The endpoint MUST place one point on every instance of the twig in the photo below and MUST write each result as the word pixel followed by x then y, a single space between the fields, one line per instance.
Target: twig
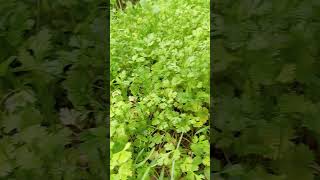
pixel 120 4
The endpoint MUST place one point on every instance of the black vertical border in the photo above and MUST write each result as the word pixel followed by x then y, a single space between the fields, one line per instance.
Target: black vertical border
pixel 107 75
pixel 211 122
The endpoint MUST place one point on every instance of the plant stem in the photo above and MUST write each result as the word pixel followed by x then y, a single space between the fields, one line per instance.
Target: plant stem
pixel 172 170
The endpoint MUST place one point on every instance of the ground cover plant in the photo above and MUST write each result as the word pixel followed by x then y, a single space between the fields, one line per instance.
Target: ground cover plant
pixel 266 89
pixel 160 90
pixel 52 93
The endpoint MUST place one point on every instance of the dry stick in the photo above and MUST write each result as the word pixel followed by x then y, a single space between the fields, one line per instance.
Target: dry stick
pixel 172 170
pixel 120 4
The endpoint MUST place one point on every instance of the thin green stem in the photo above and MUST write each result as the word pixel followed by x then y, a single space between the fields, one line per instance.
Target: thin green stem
pixel 172 169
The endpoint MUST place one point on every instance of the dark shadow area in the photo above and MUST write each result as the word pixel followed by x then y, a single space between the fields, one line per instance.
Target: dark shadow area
pixel 53 89
pixel 265 89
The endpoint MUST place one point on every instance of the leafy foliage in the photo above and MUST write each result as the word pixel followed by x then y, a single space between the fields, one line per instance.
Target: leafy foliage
pixel 266 83
pixel 160 90
pixel 53 99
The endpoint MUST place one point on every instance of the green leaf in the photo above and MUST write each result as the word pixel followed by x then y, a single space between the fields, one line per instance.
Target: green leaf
pixel 40 44
pixel 4 66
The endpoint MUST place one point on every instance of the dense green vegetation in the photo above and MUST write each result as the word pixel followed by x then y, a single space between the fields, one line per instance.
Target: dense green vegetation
pixel 160 90
pixel 53 100
pixel 266 89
